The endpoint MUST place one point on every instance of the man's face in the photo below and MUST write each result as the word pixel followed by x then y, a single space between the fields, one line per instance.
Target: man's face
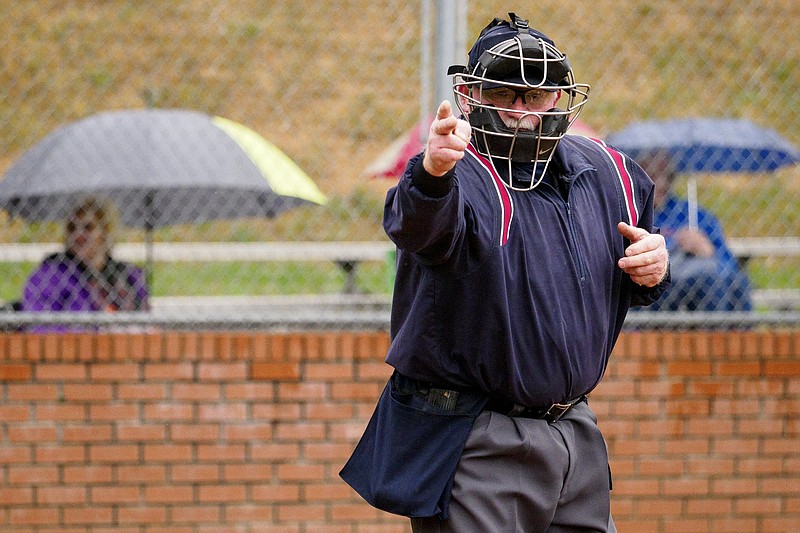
pixel 516 107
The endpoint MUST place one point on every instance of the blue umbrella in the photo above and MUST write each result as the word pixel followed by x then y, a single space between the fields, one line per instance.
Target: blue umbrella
pixel 707 145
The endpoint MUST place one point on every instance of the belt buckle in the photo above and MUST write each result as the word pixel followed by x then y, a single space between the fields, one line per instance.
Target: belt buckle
pixel 556 411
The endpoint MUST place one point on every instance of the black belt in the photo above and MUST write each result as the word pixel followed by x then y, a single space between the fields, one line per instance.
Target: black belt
pixel 550 414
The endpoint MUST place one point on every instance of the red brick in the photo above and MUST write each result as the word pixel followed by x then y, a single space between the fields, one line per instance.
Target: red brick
pixel 773 427
pixel 300 431
pixel 32 516
pixel 309 512
pixel 196 391
pixel 220 453
pixel 283 492
pixel 327 452
pixel 168 412
pixel 227 493
pixel 254 392
pixel 170 372
pixel 114 494
pixel 299 472
pixel 250 432
pixel 168 453
pixel 12 372
pixel 195 473
pixel 60 454
pixel 32 391
pixel 141 391
pixel 142 515
pixel 709 465
pixel 223 412
pixel 756 506
pixel 329 371
pixel 14 413
pixel 141 432
pixel 301 391
pixel 327 491
pixel 31 434
pixel 689 368
pixel 15 496
pixel 61 372
pixel 214 372
pixel 275 371
pixel 373 371
pixel 88 392
pixel 54 413
pixel 356 391
pixel 275 451
pixel 708 427
pixel 194 514
pixel 782 368
pixel 246 472
pixel 149 474
pixel 87 474
pixel 114 372
pixel 329 411
pixel 113 412
pixel 113 453
pixel 208 432
pixel 25 474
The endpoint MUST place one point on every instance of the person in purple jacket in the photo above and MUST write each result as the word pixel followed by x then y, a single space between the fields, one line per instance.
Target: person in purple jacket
pixel 520 251
pixel 85 277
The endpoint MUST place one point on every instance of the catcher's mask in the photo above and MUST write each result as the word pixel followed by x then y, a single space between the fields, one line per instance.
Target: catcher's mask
pixel 508 61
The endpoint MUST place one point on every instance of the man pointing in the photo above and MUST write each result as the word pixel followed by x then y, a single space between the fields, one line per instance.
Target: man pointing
pixel 520 251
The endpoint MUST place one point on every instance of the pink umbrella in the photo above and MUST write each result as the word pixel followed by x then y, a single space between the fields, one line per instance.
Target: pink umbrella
pixel 393 160
pixel 579 127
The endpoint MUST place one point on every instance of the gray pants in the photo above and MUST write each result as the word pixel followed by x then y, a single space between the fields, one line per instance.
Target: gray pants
pixel 523 475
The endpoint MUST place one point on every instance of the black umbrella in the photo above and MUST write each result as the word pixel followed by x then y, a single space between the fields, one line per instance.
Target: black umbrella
pixel 160 167
pixel 707 145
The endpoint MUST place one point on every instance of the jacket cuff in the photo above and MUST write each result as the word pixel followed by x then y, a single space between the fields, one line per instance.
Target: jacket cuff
pixel 434 186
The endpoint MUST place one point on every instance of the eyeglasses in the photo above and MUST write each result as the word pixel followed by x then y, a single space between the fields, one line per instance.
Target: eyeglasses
pixel 506 96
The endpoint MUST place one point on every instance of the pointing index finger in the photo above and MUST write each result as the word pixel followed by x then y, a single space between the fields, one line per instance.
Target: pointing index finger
pixel 444 111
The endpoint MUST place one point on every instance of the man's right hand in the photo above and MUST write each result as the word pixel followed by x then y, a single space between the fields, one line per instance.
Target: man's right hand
pixel 447 141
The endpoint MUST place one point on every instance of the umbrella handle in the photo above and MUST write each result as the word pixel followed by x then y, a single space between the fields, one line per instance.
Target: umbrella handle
pixel 691 187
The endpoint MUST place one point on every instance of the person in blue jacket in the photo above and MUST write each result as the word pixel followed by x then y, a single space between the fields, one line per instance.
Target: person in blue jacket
pixel 520 251
pixel 705 274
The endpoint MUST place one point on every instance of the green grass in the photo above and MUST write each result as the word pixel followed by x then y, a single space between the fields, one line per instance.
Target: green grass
pixel 233 279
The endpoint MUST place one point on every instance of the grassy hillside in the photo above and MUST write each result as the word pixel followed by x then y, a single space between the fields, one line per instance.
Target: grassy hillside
pixel 333 83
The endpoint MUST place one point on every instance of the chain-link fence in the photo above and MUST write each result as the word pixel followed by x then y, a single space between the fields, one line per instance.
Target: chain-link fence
pixel 329 87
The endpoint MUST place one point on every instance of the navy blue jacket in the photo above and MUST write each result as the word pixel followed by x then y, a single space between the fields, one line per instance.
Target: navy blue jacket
pixel 515 293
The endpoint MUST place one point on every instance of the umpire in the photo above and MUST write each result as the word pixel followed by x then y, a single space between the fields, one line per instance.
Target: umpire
pixel 520 251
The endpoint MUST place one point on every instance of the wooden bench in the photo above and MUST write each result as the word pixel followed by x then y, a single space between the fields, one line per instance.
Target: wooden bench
pixel 747 248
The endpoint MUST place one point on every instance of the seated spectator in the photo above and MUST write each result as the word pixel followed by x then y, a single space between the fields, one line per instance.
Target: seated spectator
pixel 705 274
pixel 84 277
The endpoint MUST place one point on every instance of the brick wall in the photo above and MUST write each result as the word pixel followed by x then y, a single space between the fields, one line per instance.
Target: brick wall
pixel 240 432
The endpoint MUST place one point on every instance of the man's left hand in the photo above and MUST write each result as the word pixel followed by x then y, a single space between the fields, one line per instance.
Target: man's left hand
pixel 646 258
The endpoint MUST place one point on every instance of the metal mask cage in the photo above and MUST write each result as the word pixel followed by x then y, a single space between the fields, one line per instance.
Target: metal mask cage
pixel 538 65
